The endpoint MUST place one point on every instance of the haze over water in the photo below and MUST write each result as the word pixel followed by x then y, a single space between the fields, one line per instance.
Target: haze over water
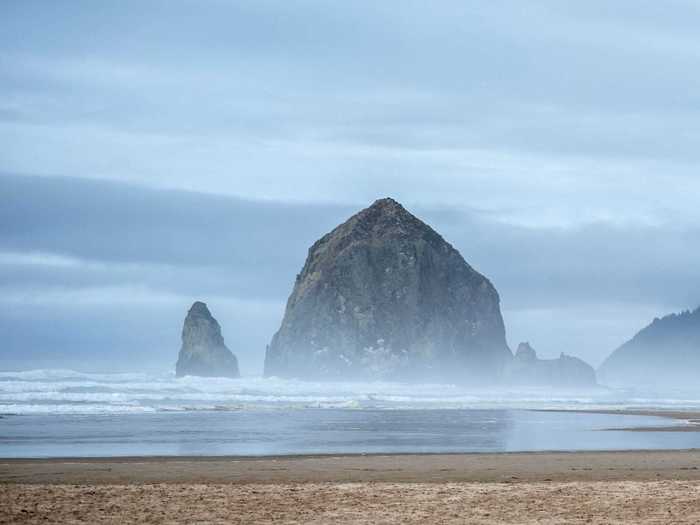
pixel 67 413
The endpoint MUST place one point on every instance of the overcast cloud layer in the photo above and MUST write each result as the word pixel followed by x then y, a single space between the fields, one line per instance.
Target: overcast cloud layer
pixel 153 153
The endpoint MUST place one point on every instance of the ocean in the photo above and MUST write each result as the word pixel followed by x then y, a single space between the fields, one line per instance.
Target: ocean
pixel 63 413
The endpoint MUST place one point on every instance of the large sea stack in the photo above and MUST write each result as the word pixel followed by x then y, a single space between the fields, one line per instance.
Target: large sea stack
pixel 203 352
pixel 665 354
pixel 385 296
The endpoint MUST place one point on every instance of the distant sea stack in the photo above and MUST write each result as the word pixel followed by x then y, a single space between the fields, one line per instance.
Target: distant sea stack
pixel 527 369
pixel 664 354
pixel 203 351
pixel 384 296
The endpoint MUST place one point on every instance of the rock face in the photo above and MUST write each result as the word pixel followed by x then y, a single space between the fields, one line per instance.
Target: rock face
pixel 565 372
pixel 203 351
pixel 666 353
pixel 385 296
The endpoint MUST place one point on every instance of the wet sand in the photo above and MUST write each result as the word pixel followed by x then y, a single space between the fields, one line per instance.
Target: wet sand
pixel 398 468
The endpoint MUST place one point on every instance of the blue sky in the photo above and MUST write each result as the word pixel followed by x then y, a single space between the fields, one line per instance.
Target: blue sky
pixel 154 153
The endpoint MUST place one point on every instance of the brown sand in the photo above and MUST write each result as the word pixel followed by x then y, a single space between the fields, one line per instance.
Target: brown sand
pixel 363 503
pixel 579 487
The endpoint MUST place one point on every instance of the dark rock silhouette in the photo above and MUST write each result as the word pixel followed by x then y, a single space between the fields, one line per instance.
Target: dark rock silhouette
pixel 385 296
pixel 525 353
pixel 665 353
pixel 203 351
pixel 527 369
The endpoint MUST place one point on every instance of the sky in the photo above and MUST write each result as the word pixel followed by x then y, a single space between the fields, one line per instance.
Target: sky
pixel 153 153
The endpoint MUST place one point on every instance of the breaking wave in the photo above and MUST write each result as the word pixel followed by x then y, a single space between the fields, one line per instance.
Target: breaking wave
pixel 71 392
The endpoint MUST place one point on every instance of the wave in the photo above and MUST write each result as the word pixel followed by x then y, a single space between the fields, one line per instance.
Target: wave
pixel 71 392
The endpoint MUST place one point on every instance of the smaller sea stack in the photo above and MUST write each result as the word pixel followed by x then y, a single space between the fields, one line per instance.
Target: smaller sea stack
pixel 203 352
pixel 527 369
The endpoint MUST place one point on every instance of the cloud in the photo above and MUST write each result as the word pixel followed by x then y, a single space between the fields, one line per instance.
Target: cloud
pixel 86 230
pixel 572 113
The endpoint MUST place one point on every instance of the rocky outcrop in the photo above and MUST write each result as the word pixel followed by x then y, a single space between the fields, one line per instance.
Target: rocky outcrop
pixel 527 369
pixel 203 352
pixel 665 354
pixel 385 296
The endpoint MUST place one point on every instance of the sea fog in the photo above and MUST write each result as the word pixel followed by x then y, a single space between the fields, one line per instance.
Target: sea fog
pixel 72 392
pixel 64 413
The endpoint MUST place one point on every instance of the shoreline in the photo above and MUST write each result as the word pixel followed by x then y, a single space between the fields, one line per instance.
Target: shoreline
pixel 323 456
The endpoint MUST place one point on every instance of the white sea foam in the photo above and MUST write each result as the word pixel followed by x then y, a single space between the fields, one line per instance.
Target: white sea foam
pixel 71 392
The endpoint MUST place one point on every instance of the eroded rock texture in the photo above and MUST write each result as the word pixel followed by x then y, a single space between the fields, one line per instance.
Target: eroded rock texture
pixel 385 296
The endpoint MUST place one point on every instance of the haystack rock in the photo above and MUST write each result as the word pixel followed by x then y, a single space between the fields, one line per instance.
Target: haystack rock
pixel 384 296
pixel 203 351
pixel 527 369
